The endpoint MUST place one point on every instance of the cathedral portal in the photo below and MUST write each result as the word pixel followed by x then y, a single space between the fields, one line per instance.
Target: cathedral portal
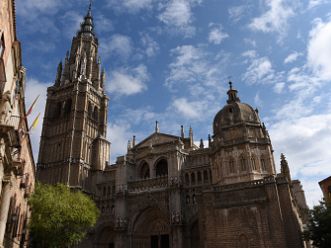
pixel 151 229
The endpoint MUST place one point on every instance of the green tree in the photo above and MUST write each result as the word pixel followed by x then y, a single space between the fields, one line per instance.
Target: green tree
pixel 318 229
pixel 60 216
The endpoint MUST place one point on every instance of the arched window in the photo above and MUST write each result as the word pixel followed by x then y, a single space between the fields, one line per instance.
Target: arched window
pixel 161 168
pixel 96 113
pixel 243 164
pixel 144 171
pixel 205 176
pixel 187 179
pixel 263 164
pixel 67 107
pixel 253 161
pixel 192 178
pixel 89 110
pixel 188 199
pixel 242 241
pixel 232 168
pixel 199 177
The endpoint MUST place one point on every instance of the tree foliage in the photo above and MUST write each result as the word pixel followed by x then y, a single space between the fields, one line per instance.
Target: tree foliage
pixel 318 229
pixel 60 216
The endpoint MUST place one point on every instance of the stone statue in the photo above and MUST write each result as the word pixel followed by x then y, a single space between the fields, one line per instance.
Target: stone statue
pixel 6 108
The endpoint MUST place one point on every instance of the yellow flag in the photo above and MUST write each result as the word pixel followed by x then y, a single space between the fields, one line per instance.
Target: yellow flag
pixel 35 122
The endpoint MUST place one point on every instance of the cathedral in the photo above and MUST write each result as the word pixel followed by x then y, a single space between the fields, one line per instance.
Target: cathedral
pixel 167 192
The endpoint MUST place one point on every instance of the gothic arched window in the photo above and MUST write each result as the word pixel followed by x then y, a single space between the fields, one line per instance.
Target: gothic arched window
pixel 243 164
pixel 192 178
pixel 253 161
pixel 205 176
pixel 263 164
pixel 67 107
pixel 161 168
pixel 144 171
pixel 187 179
pixel 199 177
pixel 96 113
pixel 89 110
pixel 232 168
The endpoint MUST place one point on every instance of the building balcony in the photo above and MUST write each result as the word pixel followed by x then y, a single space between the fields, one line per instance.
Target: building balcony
pixel 150 184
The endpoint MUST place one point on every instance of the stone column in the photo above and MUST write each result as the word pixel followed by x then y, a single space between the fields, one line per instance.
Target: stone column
pixel 177 236
pixel 5 202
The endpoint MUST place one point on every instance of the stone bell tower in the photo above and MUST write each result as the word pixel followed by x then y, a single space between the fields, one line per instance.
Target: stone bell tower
pixel 241 146
pixel 73 141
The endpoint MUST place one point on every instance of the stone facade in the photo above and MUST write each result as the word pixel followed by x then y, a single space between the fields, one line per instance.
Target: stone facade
pixel 16 159
pixel 166 191
pixel 326 188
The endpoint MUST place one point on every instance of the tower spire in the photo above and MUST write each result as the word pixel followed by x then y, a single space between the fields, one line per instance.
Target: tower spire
pixel 89 11
pixel 87 25
pixel 232 94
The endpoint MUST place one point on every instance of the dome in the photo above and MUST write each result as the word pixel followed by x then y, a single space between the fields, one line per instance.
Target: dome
pixel 234 112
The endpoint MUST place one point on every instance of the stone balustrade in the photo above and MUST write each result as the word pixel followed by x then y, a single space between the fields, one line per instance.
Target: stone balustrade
pixel 148 184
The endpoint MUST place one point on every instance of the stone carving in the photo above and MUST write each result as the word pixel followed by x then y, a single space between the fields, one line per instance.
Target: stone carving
pixel 121 222
pixel 176 218
pixel 6 108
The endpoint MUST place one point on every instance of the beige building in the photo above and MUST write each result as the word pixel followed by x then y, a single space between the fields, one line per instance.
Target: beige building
pixel 325 185
pixel 166 191
pixel 16 159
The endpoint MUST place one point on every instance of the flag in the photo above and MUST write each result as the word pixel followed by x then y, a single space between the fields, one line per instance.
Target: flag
pixel 35 122
pixel 32 105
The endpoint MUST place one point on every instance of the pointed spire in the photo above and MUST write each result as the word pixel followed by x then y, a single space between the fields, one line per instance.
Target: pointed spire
pixel 284 168
pixel 209 140
pixel 201 144
pixel 87 26
pixel 58 73
pixel 89 11
pixel 157 128
pixel 103 78
pixel 182 134
pixel 232 95
pixel 191 136
pixel 133 140
pixel 129 145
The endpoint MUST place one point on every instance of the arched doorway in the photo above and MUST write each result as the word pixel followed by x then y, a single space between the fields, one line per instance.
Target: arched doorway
pixel 106 238
pixel 195 235
pixel 151 230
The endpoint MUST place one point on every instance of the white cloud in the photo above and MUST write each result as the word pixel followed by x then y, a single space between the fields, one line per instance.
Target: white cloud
pixel 237 12
pixel 128 81
pixel 216 34
pixel 319 49
pixel 151 47
pixel 32 90
pixel 118 134
pixel 259 70
pixel 292 57
pixel 178 15
pixel 102 24
pixel 275 19
pixel 189 109
pixel 118 44
pixel 306 142
pixel 315 3
pixel 279 87
pixel 71 20
pixel 249 54
pixel 26 7
pixel 257 100
pixel 130 5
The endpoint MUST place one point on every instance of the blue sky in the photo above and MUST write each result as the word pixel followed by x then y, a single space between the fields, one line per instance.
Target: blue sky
pixel 170 60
